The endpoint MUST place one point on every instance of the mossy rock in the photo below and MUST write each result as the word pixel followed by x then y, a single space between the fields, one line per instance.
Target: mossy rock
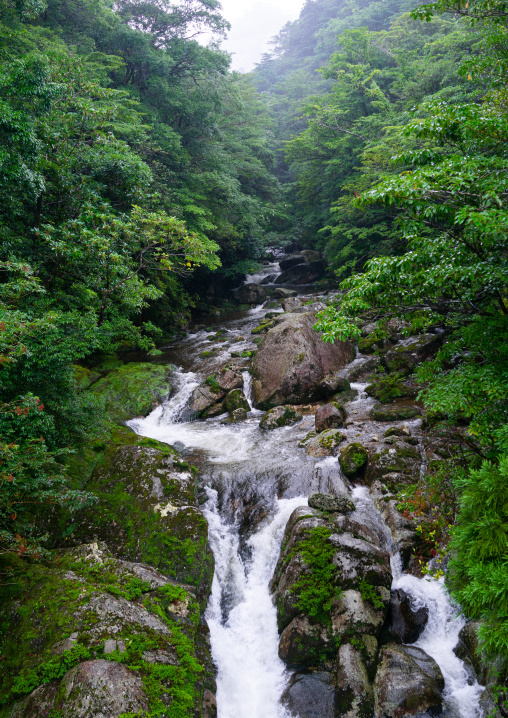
pixel 134 389
pixel 235 400
pixel 396 466
pixel 353 459
pixel 325 444
pixel 280 416
pixel 394 413
pixel 84 377
pixel 390 388
pixel 262 328
pixel 146 511
pixel 84 615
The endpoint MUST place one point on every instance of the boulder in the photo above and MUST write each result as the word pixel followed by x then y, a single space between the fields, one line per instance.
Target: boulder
pixel 251 294
pixel 282 293
pixel 292 360
pixel 333 384
pixel 235 416
pixel 291 261
pixel 395 465
pixel 310 695
pixel 329 503
pixel 269 279
pixel 289 305
pixel 228 378
pixel 325 444
pixel 407 623
pixel 330 416
pixel 279 416
pixel 147 512
pixel 395 412
pixel 202 399
pixel 303 273
pixel 408 683
pixel 407 354
pixel 133 389
pixel 353 459
pixel 387 389
pixel 303 641
pixel 354 697
pixel 357 564
pixel 468 650
pixel 236 399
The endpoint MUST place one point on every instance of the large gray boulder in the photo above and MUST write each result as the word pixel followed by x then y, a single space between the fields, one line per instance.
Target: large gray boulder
pixel 292 360
pixel 303 273
pixel 310 695
pixel 352 600
pixel 408 683
pixel 251 294
pixel 410 352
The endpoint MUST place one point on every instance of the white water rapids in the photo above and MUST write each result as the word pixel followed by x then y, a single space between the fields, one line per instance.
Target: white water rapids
pixel 244 470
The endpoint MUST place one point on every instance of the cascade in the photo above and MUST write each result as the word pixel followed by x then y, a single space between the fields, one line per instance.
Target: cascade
pixel 252 481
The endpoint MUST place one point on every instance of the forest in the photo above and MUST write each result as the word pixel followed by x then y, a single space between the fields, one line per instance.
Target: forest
pixel 142 179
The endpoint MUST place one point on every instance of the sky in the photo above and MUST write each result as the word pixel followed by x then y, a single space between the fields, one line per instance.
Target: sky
pixel 253 23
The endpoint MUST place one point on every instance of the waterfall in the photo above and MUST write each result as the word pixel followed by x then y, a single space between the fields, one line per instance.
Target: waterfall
pixel 242 617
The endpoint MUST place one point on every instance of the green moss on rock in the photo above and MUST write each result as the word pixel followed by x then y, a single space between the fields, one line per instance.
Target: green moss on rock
pixel 133 389
pixel 353 459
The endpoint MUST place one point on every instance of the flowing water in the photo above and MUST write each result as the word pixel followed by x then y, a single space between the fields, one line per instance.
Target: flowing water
pixel 251 481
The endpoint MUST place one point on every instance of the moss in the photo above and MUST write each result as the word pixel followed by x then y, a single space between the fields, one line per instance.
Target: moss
pixel 390 388
pixel 49 606
pixel 133 389
pixel 394 413
pixel 317 588
pixel 213 383
pixel 235 399
pixel 353 459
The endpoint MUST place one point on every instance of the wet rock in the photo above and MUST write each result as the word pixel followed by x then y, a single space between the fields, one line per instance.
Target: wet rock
pixel 303 640
pixel 403 529
pixel 333 384
pixel 353 459
pixel 395 412
pixel 133 389
pixel 303 273
pixel 289 305
pixel 269 279
pixel 203 398
pixel 291 261
pixel 409 353
pixel 363 368
pixel 395 465
pixel 235 416
pixel 325 444
pixel 209 705
pixel 251 294
pixel 214 410
pixel 468 650
pixel 354 697
pixel 292 360
pixel 228 379
pixel 408 683
pixel 282 293
pixel 406 622
pixel 387 389
pixel 330 416
pixel 278 417
pixel 236 399
pixel 398 431
pixel 310 695
pixel 357 564
pixel 329 503
pixel 351 614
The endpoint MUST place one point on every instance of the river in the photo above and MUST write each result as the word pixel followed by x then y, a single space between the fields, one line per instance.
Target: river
pixel 250 482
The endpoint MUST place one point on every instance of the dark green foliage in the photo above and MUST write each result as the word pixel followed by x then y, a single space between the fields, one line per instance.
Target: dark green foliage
pixel 479 546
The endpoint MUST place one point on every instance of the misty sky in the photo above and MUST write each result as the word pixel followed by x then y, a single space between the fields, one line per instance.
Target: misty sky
pixel 253 23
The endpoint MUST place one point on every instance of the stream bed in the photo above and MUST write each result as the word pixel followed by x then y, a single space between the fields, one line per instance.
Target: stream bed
pixel 250 483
